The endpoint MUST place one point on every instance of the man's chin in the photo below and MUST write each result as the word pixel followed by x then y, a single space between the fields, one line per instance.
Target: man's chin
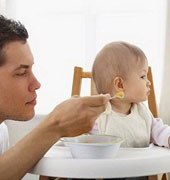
pixel 23 117
pixel 27 118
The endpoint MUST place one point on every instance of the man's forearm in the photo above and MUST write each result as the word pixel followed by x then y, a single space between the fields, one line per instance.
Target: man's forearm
pixel 17 161
pixel 70 118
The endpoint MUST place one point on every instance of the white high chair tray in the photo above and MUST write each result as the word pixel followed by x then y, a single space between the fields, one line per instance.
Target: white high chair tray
pixel 129 162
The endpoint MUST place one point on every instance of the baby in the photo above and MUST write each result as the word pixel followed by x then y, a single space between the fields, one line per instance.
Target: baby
pixel 123 67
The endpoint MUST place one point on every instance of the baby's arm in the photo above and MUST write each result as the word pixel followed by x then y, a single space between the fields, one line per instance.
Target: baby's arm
pixel 160 133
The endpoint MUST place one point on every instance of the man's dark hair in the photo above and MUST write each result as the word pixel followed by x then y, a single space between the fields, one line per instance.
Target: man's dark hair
pixel 10 31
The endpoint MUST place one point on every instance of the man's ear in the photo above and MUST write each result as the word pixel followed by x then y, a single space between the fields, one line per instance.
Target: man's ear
pixel 118 84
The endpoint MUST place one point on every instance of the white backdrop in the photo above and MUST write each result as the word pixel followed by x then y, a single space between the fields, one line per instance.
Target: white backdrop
pixel 68 33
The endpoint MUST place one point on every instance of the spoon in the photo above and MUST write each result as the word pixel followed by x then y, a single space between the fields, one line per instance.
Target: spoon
pixel 119 95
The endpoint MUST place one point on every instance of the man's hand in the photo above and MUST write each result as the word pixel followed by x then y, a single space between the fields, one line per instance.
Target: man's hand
pixel 77 115
pixel 70 118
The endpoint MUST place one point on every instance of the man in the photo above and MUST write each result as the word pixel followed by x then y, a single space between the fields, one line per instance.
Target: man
pixel 18 87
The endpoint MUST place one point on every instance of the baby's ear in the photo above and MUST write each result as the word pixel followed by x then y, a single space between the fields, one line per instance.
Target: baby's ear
pixel 118 84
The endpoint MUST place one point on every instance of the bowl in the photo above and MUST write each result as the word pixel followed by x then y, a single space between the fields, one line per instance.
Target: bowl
pixel 93 146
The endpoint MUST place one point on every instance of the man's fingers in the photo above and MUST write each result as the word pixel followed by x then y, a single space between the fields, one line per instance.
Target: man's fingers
pixel 98 109
pixel 95 101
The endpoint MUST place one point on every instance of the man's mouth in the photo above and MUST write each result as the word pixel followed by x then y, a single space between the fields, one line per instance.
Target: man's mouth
pixel 32 102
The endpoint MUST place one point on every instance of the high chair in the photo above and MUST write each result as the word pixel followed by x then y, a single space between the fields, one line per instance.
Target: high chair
pixel 79 74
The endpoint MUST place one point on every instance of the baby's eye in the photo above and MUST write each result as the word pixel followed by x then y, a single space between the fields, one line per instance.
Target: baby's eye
pixel 143 77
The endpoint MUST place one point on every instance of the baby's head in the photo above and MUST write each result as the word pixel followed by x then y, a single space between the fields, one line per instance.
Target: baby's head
pixel 116 60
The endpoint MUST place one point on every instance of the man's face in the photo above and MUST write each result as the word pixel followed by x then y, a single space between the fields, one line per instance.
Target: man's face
pixel 18 84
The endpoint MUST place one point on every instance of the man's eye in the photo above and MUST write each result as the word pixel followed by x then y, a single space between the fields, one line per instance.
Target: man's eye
pixel 21 74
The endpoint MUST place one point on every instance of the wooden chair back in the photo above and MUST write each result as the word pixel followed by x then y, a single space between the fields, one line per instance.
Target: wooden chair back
pixel 79 74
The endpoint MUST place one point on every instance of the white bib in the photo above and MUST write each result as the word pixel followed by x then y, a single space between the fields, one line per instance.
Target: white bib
pixel 134 128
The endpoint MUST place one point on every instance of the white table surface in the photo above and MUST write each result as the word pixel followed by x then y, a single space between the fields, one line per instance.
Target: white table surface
pixel 129 162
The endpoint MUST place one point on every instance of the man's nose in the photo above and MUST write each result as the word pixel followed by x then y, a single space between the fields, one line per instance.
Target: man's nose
pixel 35 84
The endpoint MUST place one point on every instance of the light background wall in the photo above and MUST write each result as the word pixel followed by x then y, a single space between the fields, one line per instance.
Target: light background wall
pixel 68 33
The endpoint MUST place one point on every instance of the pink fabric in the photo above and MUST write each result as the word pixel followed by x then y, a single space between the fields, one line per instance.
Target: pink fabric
pixel 160 132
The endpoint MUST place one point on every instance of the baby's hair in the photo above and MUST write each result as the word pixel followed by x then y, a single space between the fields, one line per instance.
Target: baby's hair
pixel 115 59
